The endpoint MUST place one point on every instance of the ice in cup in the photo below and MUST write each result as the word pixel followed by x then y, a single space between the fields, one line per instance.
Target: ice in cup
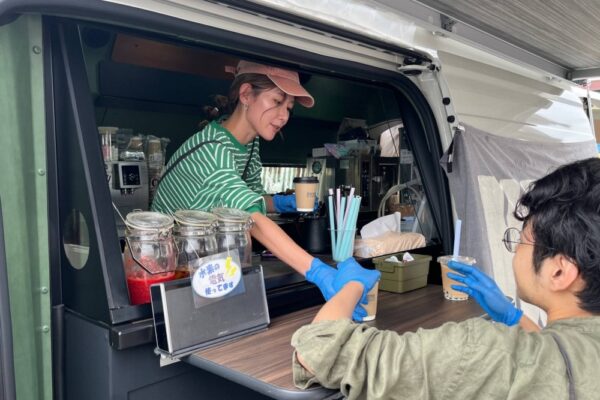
pixel 450 293
pixel 371 306
pixel 306 192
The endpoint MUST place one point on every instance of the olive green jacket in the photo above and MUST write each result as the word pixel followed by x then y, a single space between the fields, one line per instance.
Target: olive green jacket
pixel 474 359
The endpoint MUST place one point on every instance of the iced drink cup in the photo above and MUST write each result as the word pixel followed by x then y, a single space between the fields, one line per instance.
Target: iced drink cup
pixel 371 306
pixel 306 192
pixel 450 293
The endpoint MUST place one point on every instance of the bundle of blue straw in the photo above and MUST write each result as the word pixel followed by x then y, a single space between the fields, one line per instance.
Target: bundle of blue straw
pixel 342 222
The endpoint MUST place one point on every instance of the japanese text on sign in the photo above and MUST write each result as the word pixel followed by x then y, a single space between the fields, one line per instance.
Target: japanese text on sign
pixel 216 278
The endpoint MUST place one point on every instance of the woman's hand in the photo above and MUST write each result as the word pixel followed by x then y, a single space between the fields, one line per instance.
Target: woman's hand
pixel 322 275
pixel 284 203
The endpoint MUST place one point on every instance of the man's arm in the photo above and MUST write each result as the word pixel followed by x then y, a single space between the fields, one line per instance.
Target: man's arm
pixel 340 306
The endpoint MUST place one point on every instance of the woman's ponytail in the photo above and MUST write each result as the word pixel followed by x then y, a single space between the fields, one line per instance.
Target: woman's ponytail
pixel 214 111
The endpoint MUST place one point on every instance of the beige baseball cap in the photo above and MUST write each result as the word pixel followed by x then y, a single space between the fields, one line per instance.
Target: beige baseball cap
pixel 286 80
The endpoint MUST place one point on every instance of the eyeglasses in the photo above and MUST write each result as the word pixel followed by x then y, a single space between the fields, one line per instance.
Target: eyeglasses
pixel 512 238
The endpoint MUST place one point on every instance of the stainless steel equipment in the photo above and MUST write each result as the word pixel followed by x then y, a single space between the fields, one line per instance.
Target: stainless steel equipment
pixel 322 168
pixel 128 183
pixel 370 175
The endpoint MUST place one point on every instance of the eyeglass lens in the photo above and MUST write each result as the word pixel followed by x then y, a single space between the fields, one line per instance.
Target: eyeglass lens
pixel 512 237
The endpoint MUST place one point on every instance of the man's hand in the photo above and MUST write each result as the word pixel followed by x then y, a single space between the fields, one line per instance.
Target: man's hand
pixel 323 276
pixel 349 270
pixel 485 291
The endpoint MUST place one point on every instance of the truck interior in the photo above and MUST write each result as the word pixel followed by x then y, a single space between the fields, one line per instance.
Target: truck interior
pixel 144 83
pixel 149 84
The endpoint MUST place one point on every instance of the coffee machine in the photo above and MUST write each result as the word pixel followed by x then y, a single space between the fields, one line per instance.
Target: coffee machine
pixel 128 184
pixel 322 167
pixel 360 171
pixel 369 174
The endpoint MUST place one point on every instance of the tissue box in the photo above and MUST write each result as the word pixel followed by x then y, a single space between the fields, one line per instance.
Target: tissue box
pixel 402 277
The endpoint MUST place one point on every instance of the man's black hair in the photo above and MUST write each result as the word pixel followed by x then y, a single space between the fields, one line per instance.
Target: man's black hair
pixel 563 209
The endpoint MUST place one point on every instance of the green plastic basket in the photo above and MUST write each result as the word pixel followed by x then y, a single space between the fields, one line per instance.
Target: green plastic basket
pixel 402 277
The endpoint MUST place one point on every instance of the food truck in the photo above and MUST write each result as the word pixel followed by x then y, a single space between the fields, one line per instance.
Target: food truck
pixel 96 97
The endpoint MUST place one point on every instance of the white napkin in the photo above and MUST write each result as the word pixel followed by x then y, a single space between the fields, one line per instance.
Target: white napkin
pixel 381 225
pixel 406 257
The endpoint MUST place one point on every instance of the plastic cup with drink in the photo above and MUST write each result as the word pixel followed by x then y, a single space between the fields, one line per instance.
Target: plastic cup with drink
pixel 447 283
pixel 371 306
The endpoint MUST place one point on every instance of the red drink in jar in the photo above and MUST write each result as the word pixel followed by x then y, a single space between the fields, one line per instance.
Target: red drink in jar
pixel 139 287
pixel 139 280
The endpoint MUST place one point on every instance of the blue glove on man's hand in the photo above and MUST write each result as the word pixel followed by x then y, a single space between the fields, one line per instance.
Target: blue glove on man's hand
pixel 322 275
pixel 485 291
pixel 284 203
pixel 349 270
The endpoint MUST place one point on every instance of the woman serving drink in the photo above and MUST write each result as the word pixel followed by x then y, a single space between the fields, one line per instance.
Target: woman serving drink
pixel 220 165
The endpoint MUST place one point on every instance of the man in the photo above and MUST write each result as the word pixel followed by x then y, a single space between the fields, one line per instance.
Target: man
pixel 556 267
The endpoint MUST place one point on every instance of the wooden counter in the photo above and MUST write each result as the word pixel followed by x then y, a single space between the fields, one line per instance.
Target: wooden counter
pixel 263 361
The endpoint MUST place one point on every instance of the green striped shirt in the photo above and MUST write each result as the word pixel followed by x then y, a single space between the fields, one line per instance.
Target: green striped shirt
pixel 211 176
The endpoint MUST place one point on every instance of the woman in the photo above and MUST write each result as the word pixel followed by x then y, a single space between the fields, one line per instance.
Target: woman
pixel 220 165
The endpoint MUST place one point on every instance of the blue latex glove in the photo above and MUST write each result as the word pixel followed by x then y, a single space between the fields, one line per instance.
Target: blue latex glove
pixel 485 291
pixel 286 203
pixel 322 275
pixel 349 270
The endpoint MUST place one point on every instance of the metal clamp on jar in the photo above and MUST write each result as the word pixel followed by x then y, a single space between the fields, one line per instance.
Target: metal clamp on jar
pixel 149 253
pixel 195 238
pixel 233 233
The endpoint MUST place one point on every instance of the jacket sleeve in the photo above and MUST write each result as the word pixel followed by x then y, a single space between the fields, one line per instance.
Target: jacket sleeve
pixel 366 363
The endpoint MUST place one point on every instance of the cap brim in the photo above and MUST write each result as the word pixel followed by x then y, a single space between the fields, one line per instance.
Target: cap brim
pixel 293 88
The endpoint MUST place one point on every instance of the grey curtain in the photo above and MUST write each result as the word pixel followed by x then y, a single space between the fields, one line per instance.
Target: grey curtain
pixel 487 174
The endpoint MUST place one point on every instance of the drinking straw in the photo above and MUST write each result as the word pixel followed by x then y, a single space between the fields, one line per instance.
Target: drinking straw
pixel 337 203
pixel 340 227
pixel 457 227
pixel 342 223
pixel 350 197
pixel 331 220
pixel 352 225
pixel 348 231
